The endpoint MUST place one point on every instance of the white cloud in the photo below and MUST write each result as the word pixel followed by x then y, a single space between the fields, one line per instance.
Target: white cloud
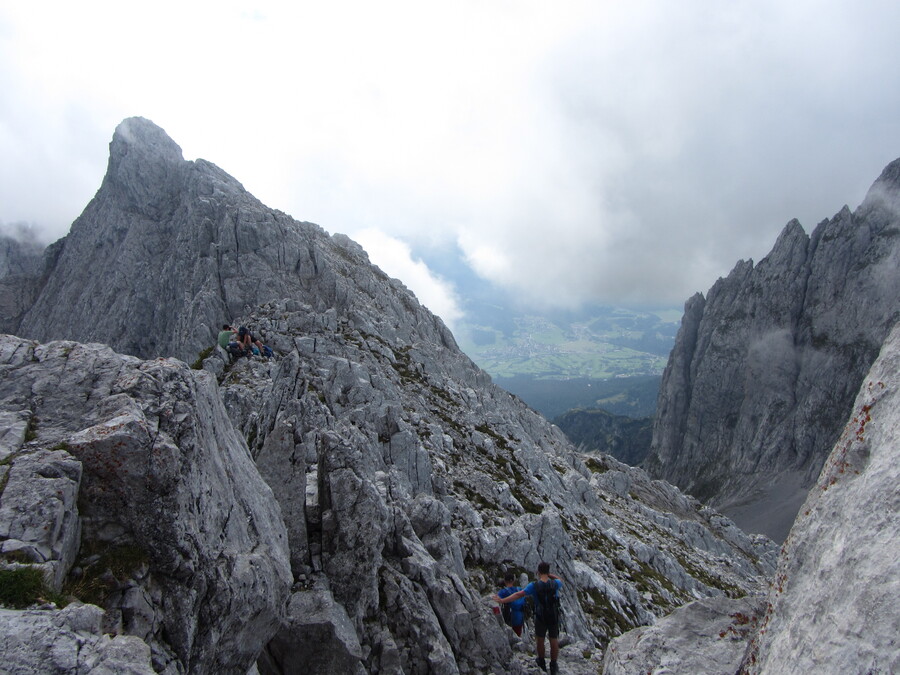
pixel 584 151
pixel 395 258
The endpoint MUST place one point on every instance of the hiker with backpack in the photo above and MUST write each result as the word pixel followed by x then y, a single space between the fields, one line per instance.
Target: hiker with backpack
pixel 513 612
pixel 545 593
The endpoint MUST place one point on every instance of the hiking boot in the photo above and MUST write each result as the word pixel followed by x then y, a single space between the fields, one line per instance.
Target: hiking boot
pixel 542 664
pixel 554 668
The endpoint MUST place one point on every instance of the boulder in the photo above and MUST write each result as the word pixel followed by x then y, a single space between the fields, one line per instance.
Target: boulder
pixel 68 642
pixel 180 538
pixel 706 636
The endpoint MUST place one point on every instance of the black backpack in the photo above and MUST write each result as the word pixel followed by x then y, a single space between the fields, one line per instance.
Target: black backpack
pixel 546 606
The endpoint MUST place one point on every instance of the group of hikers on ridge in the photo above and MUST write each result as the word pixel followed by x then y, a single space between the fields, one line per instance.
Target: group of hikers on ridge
pixel 545 594
pixel 241 342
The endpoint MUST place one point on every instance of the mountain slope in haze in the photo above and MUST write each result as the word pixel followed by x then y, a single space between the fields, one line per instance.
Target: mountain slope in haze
pixel 765 367
pixel 407 481
pixel 596 430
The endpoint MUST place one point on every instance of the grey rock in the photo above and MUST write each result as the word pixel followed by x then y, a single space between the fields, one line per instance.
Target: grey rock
pixel 318 638
pixel 68 642
pixel 165 484
pixel 21 265
pixel 833 604
pixel 39 511
pixel 765 368
pixel 184 248
pixel 706 636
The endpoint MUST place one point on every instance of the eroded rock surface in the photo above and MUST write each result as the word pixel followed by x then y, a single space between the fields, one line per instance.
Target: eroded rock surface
pixel 136 465
pixel 707 637
pixel 833 606
pixel 766 366
pixel 68 642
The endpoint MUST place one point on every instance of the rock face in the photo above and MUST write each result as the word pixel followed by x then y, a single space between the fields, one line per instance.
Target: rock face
pixel 126 480
pixel 833 606
pixel 765 368
pixel 168 250
pixel 706 636
pixel 68 641
pixel 596 430
pixel 21 263
pixel 406 480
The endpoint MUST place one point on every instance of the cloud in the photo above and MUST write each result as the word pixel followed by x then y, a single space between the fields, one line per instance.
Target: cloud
pixel 395 258
pixel 588 152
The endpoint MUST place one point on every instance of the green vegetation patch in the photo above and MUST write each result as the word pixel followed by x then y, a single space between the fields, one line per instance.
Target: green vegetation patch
pixel 94 584
pixel 704 577
pixel 22 587
pixel 595 465
pixel 601 609
pixel 526 502
pixel 31 429
pixel 205 354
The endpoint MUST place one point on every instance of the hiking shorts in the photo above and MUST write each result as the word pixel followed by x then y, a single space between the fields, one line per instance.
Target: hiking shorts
pixel 542 629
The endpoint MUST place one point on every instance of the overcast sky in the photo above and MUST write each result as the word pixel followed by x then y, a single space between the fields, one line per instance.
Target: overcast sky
pixel 570 152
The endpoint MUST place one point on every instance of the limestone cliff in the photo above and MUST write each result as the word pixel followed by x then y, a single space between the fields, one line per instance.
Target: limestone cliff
pixel 765 367
pixel 406 480
pixel 21 263
pixel 832 607
pixel 126 484
pixel 169 249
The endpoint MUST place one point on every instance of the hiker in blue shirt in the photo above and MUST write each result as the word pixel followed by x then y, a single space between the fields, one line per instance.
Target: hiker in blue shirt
pixel 513 612
pixel 545 592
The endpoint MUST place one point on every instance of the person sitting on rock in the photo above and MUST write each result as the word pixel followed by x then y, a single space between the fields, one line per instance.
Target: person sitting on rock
pixel 226 336
pixel 545 592
pixel 513 612
pixel 249 345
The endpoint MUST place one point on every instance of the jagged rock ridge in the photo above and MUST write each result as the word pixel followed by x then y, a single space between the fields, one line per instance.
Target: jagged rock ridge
pixel 169 249
pixel 765 368
pixel 406 480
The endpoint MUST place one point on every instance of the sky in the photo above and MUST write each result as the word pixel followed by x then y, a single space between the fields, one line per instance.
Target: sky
pixel 566 153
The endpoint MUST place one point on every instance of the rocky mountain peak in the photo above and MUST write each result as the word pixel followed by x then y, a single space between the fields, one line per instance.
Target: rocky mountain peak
pixel 139 139
pixel 763 374
pixel 142 156
pixel 882 199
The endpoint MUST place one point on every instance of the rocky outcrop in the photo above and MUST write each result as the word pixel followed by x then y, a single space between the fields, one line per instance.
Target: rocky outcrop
pixel 706 636
pixel 833 605
pixel 127 485
pixel 71 640
pixel 596 430
pixel 765 367
pixel 407 481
